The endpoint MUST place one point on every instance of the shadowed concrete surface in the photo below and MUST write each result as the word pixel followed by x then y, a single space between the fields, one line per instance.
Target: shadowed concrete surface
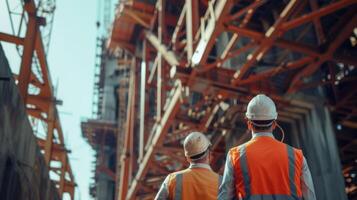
pixel 23 172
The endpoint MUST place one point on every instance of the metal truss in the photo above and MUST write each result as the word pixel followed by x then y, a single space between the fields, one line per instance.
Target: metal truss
pixel 35 87
pixel 282 48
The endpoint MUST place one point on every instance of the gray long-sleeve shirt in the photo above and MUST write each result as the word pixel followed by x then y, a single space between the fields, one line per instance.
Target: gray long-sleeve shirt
pixel 227 188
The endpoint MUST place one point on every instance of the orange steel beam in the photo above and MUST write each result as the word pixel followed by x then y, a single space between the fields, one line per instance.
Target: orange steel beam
pixel 49 138
pixel 333 7
pixel 178 28
pixel 126 157
pixel 306 49
pixel 143 78
pixel 11 39
pixel 159 134
pixel 276 70
pixel 220 61
pixel 160 65
pixel 192 22
pixel 227 54
pixel 245 10
pixel 134 116
pixel 214 17
pixel 62 176
pixel 315 84
pixel 141 18
pixel 270 36
pixel 317 24
pixel 211 30
pixel 342 35
pixel 215 85
pixel 43 105
pixel 27 54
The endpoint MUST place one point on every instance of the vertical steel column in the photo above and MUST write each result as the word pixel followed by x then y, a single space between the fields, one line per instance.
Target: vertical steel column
pixel 143 68
pixel 50 127
pixel 27 54
pixel 133 146
pixel 161 10
pixel 210 29
pixel 191 26
pixel 63 173
pixel 126 156
pixel 147 102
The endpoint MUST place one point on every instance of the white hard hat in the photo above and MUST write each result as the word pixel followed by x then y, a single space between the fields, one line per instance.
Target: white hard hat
pixel 195 143
pixel 261 107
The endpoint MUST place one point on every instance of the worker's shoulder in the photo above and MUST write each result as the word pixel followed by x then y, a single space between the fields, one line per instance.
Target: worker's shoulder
pixel 296 150
pixel 171 178
pixel 234 152
pixel 174 174
pixel 290 146
pixel 216 174
pixel 236 149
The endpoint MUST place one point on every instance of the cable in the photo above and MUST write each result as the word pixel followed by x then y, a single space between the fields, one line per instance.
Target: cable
pixel 282 132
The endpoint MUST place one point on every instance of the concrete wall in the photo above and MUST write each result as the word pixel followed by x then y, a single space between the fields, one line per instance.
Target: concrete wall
pixel 111 81
pixel 23 172
pixel 314 134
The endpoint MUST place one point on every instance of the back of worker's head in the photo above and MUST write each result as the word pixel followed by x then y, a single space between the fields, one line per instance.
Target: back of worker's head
pixel 261 114
pixel 196 146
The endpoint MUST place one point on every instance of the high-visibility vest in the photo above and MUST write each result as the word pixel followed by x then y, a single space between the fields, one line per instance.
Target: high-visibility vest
pixel 266 169
pixel 194 183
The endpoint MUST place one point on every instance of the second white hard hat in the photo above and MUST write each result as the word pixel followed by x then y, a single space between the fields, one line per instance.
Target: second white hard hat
pixel 261 107
pixel 195 143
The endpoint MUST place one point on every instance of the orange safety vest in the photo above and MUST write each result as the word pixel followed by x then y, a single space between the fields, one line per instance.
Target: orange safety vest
pixel 267 169
pixel 194 183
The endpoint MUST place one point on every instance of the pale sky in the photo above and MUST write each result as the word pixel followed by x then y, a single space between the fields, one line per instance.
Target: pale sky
pixel 71 63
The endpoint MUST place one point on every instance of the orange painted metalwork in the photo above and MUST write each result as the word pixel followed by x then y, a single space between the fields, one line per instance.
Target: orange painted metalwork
pixel 42 106
pixel 189 34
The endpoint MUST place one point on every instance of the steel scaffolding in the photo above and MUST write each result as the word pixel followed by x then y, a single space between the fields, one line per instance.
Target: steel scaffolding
pixel 36 87
pixel 195 64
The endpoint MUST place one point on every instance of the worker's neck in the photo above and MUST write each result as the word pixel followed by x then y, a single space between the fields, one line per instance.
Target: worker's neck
pixel 261 134
pixel 200 162
pixel 200 165
pixel 255 131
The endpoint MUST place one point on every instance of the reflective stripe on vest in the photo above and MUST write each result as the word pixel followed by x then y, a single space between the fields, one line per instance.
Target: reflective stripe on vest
pixel 178 189
pixel 245 172
pixel 271 197
pixel 219 180
pixel 247 182
pixel 291 156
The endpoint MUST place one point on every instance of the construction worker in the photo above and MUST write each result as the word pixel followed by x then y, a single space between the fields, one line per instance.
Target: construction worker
pixel 264 168
pixel 196 182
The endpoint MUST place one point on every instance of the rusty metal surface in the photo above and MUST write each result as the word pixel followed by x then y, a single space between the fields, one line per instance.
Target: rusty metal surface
pixel 23 170
pixel 223 53
pixel 38 97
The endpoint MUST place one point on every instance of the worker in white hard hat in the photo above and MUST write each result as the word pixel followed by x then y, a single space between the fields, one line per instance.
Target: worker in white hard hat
pixel 196 182
pixel 265 168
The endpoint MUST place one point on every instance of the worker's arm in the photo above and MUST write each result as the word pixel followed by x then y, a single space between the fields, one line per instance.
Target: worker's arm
pixel 163 193
pixel 307 186
pixel 227 188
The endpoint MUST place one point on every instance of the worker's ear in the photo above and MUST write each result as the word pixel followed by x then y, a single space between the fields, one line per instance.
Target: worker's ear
pixel 188 160
pixel 273 126
pixel 249 125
